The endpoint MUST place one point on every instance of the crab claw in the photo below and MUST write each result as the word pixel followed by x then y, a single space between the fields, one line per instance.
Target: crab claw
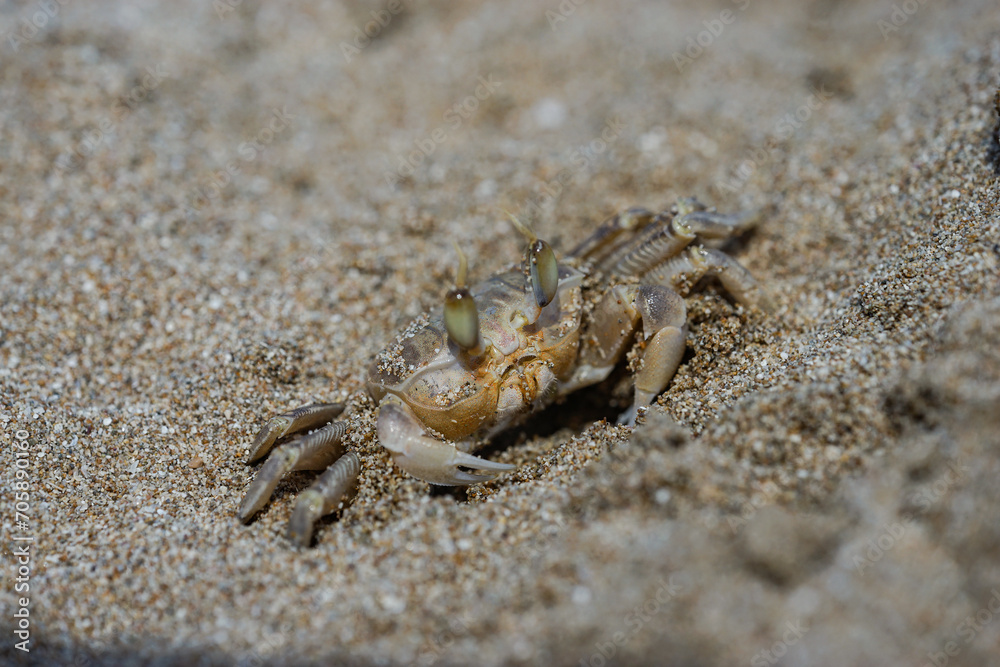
pixel 425 457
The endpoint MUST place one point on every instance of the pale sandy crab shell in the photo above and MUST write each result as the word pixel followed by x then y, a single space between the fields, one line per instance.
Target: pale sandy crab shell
pixel 456 395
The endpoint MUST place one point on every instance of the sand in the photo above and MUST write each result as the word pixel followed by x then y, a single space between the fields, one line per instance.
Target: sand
pixel 212 213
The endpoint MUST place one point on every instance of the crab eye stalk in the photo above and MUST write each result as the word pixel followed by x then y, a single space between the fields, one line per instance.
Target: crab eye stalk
pixel 540 265
pixel 543 272
pixel 461 319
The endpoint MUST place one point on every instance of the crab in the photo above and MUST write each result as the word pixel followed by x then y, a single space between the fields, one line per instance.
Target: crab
pixel 510 345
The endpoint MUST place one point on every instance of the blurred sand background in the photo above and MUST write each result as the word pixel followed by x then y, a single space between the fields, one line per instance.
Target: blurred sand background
pixel 210 213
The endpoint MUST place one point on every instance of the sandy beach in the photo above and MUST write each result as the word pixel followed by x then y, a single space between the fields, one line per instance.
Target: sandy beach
pixel 211 213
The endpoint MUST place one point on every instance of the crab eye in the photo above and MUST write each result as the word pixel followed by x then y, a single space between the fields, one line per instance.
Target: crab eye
pixel 543 270
pixel 461 318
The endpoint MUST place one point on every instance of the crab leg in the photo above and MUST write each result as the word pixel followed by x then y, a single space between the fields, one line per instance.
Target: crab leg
pixel 599 244
pixel 333 488
pixel 291 422
pixel 666 237
pixel 314 451
pixel 425 457
pixel 711 225
pixel 664 325
pixel 699 262
pixel 659 364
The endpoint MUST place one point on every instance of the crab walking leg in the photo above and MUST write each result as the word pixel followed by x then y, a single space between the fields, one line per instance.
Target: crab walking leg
pixel 603 239
pixel 668 235
pixel 667 238
pixel 711 225
pixel 291 422
pixel 426 457
pixel 698 262
pixel 314 451
pixel 660 360
pixel 334 487
pixel 664 327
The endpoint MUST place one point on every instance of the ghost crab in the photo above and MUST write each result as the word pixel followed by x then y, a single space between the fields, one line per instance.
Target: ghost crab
pixel 506 346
